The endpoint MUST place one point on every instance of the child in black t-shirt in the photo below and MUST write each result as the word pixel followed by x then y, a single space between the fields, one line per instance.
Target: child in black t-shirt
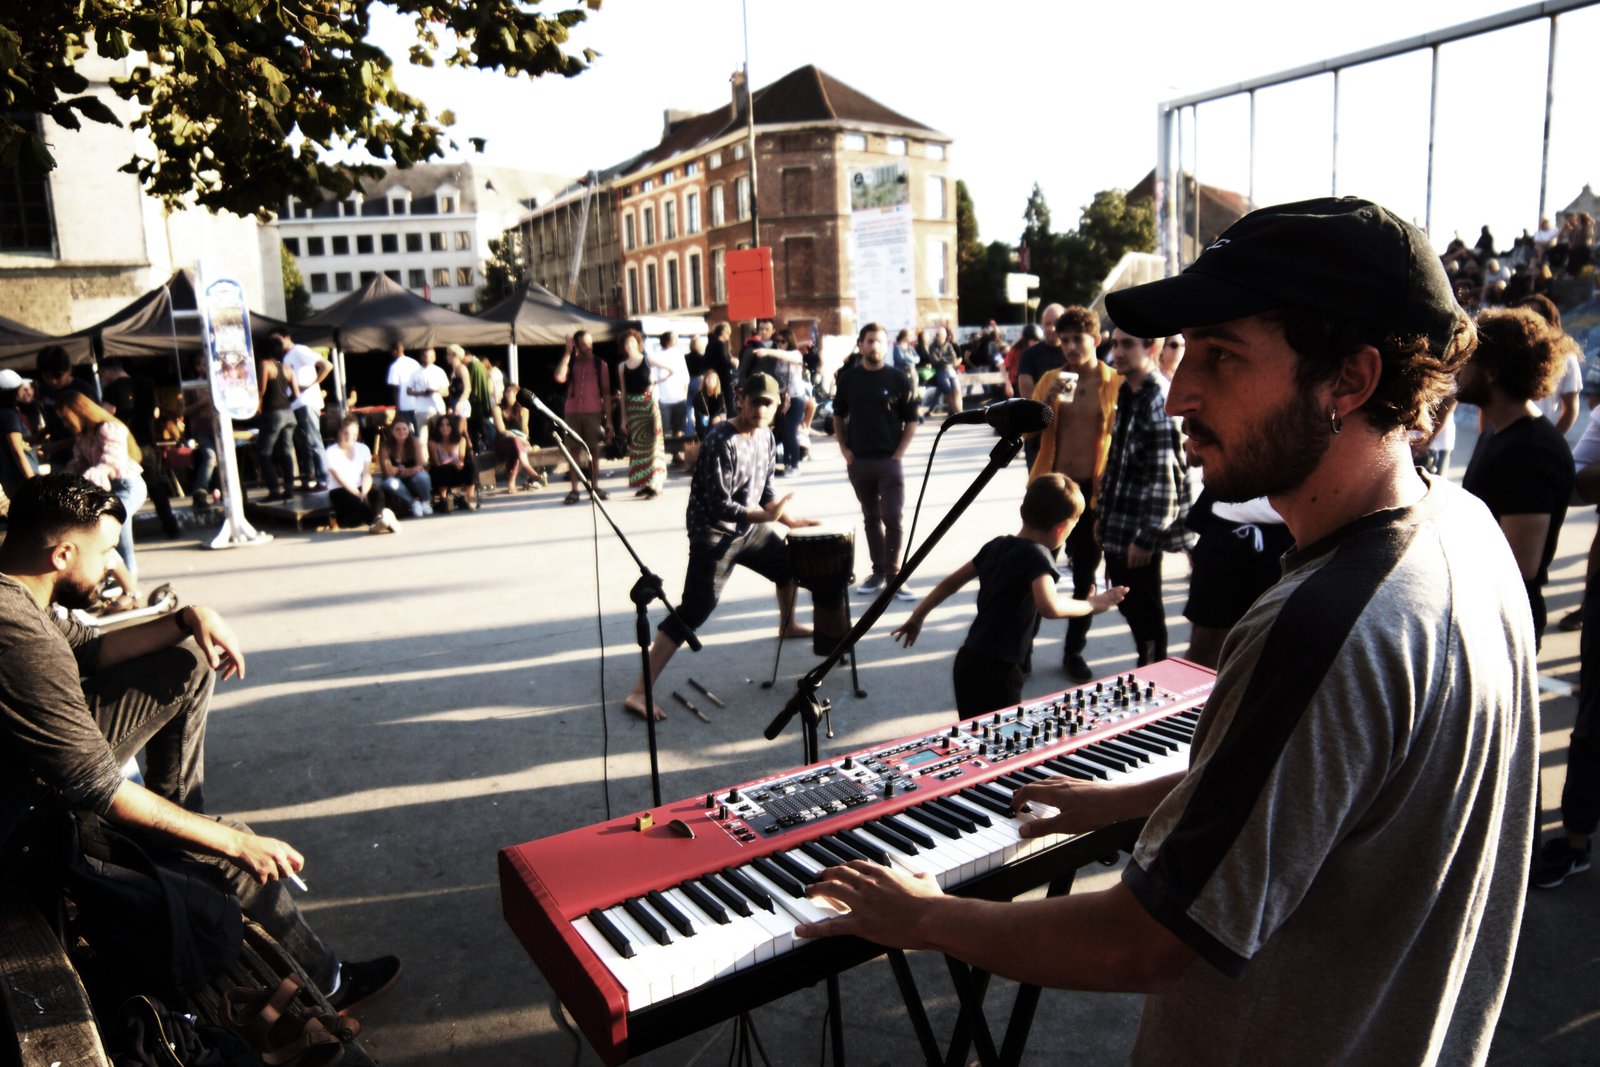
pixel 1016 585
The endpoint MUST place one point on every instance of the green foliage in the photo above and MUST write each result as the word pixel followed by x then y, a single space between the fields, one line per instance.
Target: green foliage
pixel 296 301
pixel 1072 265
pixel 504 269
pixel 243 100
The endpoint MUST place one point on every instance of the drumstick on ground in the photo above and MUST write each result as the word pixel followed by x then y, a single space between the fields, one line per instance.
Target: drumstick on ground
pixel 709 695
pixel 680 698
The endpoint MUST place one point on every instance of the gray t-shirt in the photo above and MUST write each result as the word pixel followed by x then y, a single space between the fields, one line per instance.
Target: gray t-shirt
pixel 732 475
pixel 1348 853
pixel 46 730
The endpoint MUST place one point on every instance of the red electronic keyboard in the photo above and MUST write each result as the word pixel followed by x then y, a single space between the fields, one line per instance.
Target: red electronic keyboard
pixel 657 925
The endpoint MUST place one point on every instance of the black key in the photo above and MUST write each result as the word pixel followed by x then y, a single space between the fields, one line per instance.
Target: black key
pixel 1102 757
pixel 905 829
pixel 758 896
pixel 1130 752
pixel 652 926
pixel 670 912
pixel 795 870
pixel 998 794
pixel 1182 738
pixel 703 901
pixel 609 931
pixel 1191 716
pixel 867 848
pixel 1083 766
pixel 727 894
pixel 1013 780
pixel 1140 739
pixel 889 837
pixel 1069 771
pixel 778 877
pixel 820 854
pixel 987 801
pixel 844 848
pixel 957 817
pixel 934 821
pixel 1035 773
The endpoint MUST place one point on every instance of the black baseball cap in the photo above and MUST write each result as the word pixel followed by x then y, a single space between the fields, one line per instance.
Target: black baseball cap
pixel 1345 257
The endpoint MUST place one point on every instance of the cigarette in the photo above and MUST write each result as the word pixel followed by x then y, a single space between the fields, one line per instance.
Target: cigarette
pixel 295 880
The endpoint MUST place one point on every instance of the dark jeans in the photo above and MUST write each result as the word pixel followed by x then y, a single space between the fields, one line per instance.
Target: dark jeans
pixel 880 486
pixel 710 562
pixel 1142 607
pixel 675 418
pixel 984 684
pixel 204 464
pixel 450 476
pixel 351 511
pixel 275 448
pixel 1580 797
pixel 789 427
pixel 1083 555
pixel 308 446
pixel 159 702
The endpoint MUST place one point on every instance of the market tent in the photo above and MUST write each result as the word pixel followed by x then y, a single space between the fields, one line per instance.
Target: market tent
pixel 536 316
pixel 382 313
pixel 20 345
pixel 148 327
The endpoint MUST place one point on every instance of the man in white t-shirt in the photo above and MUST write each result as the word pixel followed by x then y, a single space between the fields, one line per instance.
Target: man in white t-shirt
pixel 307 370
pixel 1561 406
pixel 403 371
pixel 671 375
pixel 428 387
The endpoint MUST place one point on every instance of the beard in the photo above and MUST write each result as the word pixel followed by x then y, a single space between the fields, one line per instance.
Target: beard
pixel 1270 458
pixel 76 592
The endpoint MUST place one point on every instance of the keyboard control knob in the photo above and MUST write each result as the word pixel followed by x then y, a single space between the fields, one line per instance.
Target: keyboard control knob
pixel 849 763
pixel 733 796
pixel 888 787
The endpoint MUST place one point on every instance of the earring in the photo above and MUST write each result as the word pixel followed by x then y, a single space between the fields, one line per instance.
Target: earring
pixel 1335 422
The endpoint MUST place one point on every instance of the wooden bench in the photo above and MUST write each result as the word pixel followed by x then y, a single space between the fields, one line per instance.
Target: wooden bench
pixel 45 1001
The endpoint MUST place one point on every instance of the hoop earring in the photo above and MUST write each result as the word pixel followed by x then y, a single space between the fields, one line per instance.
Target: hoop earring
pixel 1335 422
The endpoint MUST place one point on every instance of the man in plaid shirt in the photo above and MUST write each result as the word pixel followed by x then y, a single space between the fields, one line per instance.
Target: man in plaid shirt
pixel 1142 499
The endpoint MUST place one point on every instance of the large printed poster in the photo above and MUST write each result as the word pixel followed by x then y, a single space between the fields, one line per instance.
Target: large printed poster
pixel 882 249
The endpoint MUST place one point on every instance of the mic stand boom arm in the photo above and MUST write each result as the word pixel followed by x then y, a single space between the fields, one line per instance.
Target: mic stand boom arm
pixel 804 702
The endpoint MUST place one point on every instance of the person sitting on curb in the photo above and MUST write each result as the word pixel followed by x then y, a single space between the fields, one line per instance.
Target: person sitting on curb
pixel 356 501
pixel 403 465
pixel 452 465
pixel 511 443
pixel 76 705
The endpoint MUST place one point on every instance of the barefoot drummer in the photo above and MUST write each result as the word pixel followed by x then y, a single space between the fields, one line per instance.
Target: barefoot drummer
pixel 732 507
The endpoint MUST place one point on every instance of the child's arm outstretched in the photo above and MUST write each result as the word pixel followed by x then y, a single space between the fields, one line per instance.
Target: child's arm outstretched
pixel 1053 607
pixel 907 631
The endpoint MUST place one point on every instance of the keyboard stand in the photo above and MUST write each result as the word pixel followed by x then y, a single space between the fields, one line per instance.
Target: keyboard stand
pixel 971 1030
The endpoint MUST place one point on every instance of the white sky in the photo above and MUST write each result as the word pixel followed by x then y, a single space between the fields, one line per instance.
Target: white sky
pixel 1065 93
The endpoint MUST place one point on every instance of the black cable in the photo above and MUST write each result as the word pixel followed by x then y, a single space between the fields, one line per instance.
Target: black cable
pixel 756 1037
pixel 600 631
pixel 822 1053
pixel 926 474
pixel 570 1026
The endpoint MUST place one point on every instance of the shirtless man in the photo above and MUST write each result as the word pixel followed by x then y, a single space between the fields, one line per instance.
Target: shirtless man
pixel 1076 444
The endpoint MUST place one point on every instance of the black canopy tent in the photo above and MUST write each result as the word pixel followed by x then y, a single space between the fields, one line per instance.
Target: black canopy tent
pixel 536 316
pixel 20 345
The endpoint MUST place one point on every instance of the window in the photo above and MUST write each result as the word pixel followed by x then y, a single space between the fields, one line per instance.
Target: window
pixel 895 146
pixel 668 178
pixel 719 283
pixel 436 241
pixel 627 231
pixel 714 160
pixel 647 185
pixel 738 152
pixel 741 196
pixel 937 205
pixel 349 209
pixel 397 207
pixel 291 245
pixel 800 266
pixel 342 282
pixel 390 242
pixel 367 276
pixel 302 211
pixel 416 278
pixel 447 205
pixel 938 266
pixel 319 283
pixel 464 240
pixel 797 190
pixel 669 220
pixel 463 275
pixel 441 276
pixel 413 242
pixel 392 275
pixel 718 209
pixel 315 246
pixel 633 290
pixel 855 142
pixel 691 213
pixel 691 168
pixel 933 151
pixel 671 268
pixel 340 245
pixel 364 244
pixel 696 289
pixel 651 302
pixel 648 215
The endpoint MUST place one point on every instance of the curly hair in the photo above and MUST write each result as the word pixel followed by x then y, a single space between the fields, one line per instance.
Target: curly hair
pixel 1526 353
pixel 1415 379
pixel 1077 319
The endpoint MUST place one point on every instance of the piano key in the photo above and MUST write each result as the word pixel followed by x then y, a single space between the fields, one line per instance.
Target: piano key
pixel 790 885
pixel 752 892
pixel 609 931
pixel 723 947
pixel 1132 752
pixel 867 848
pixel 979 802
pixel 821 854
pixel 729 896
pixel 1157 745
pixel 1102 757
pixel 778 929
pixel 669 911
pixel 1176 735
pixel 705 902
pixel 652 926
pixel 904 828
pixel 934 821
pixel 960 817
pixel 635 986
pixel 657 968
pixel 797 871
pixel 890 837
pixel 842 848
pixel 1075 769
pixel 802 908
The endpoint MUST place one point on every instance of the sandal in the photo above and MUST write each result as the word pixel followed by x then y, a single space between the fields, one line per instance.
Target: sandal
pixel 570 498
pixel 283 1039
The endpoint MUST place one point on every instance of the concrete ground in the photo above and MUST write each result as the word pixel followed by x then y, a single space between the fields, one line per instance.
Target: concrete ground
pixel 415 702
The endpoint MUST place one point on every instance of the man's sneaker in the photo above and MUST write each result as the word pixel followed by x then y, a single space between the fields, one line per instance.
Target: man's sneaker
pixel 361 982
pixel 418 509
pixel 1077 667
pixel 1557 861
pixel 904 594
pixel 873 583
pixel 386 523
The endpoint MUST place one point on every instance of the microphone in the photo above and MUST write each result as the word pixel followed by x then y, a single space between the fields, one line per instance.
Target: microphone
pixel 1011 417
pixel 527 399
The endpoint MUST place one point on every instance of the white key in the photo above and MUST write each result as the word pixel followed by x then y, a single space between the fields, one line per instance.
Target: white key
pixel 777 924
pixel 657 965
pixel 801 909
pixel 635 984
pixel 711 943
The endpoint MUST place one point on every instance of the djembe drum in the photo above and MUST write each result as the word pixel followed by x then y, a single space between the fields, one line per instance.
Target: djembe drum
pixel 823 560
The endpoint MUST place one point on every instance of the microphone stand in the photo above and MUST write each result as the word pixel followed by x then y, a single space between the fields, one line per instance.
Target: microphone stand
pixel 804 702
pixel 645 589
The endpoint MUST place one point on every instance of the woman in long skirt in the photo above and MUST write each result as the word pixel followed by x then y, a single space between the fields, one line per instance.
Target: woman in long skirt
pixel 641 421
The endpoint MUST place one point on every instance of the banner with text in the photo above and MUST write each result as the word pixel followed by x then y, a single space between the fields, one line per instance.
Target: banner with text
pixel 882 249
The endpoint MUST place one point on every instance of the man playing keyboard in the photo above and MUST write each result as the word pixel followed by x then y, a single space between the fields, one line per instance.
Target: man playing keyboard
pixel 1339 875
